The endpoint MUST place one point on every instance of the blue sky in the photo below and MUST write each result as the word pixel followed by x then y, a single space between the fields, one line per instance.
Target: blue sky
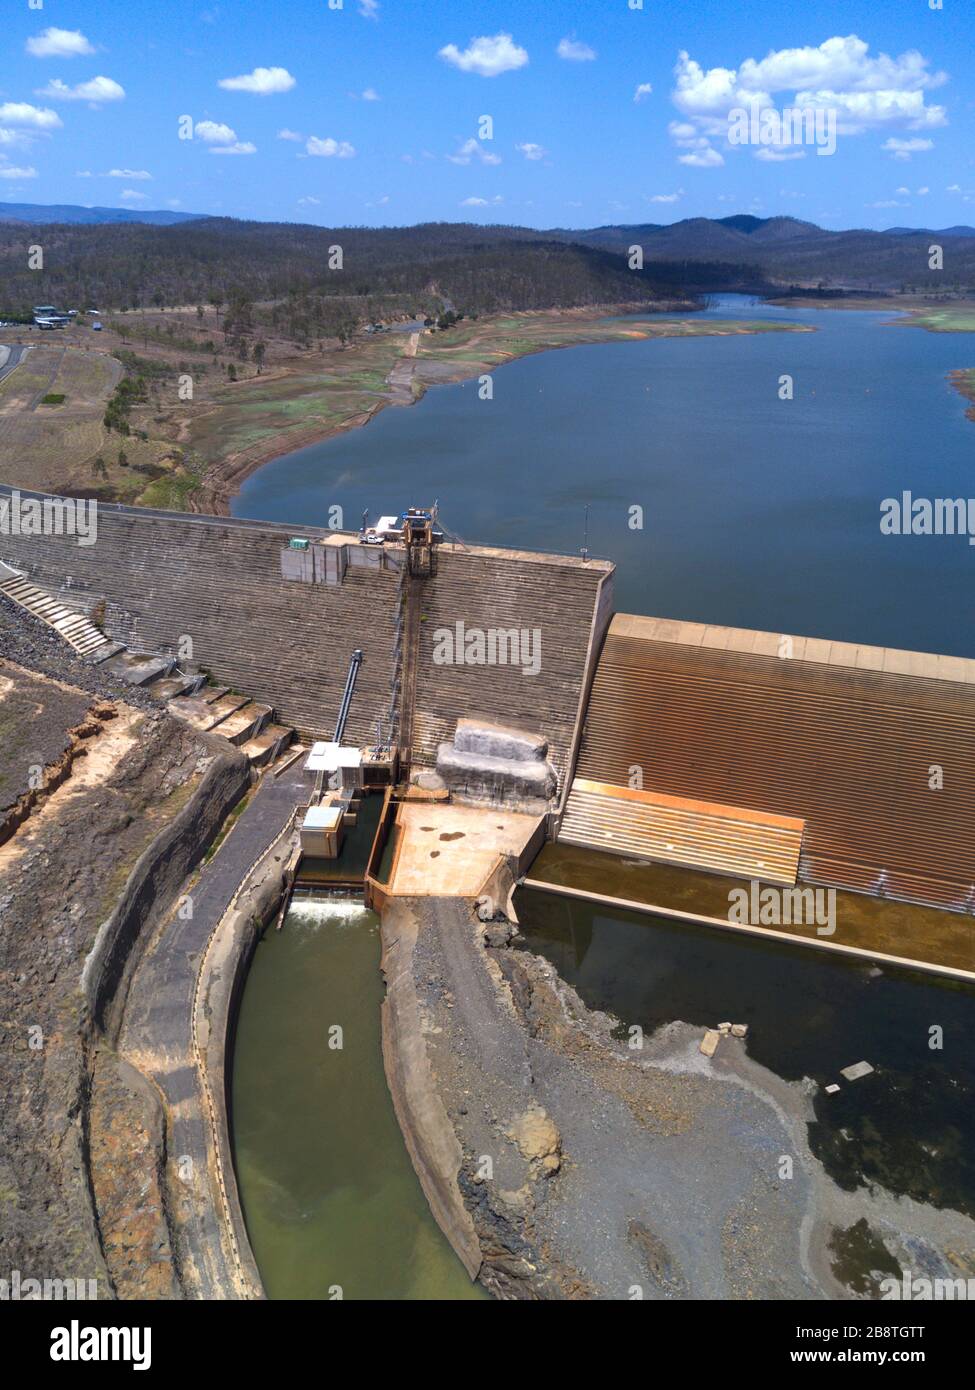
pixel 600 112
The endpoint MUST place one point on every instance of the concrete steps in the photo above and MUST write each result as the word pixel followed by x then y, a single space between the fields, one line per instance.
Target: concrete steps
pixel 205 714
pixel 285 643
pixel 138 668
pixel 552 604
pixel 168 687
pixel 245 723
pixel 268 745
pixel 78 631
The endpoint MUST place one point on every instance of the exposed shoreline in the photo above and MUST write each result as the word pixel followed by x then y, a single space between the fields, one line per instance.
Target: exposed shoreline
pixel 591 1143
pixel 223 481
pixel 963 380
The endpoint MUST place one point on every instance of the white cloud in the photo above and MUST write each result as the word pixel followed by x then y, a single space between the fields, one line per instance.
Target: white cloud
pixel 481 202
pixel 574 51
pixel 686 137
pixel 290 135
pixel 922 192
pixel 702 159
pixel 903 149
pixel 214 133
pixel 15 139
pixel 489 57
pixel 901 191
pixel 531 151
pixel 59 43
pixel 887 203
pixel 768 155
pixel 128 174
pixel 666 197
pixel 863 91
pixel 642 92
pixel 472 149
pixel 369 9
pixel 221 138
pixel 953 188
pixel 309 201
pixel 97 89
pixel 131 195
pixel 9 171
pixel 262 82
pixel 329 148
pixel 370 94
pixel 21 113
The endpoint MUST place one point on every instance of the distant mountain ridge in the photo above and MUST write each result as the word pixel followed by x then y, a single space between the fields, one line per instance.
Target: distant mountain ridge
pixel 124 256
pixel 930 231
pixel 70 213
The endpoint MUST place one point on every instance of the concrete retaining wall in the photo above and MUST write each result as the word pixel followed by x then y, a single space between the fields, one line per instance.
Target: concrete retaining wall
pixel 154 882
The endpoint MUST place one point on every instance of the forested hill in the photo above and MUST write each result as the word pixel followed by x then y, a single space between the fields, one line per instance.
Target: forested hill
pixel 474 269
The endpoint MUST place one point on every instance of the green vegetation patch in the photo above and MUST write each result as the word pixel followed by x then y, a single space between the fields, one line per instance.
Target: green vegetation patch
pixel 53 398
pixel 944 320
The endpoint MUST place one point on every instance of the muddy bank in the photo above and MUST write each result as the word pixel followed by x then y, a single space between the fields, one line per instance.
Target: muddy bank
pixel 441 360
pixel 591 1169
pixel 964 383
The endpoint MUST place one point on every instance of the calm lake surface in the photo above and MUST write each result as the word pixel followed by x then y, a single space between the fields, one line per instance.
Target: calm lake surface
pixel 757 512
pixel 329 1194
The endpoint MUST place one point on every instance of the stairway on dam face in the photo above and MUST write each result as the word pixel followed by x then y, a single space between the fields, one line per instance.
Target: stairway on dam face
pixel 76 629
pixel 245 723
pixel 220 585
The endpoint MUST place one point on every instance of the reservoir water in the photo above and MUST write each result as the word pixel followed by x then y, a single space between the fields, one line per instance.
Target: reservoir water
pixel 758 512
pixel 329 1194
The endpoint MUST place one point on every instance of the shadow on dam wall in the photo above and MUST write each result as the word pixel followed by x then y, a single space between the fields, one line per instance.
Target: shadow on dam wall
pixel 165 578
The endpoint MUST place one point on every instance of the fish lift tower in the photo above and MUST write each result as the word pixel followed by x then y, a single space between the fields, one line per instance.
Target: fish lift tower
pixel 420 535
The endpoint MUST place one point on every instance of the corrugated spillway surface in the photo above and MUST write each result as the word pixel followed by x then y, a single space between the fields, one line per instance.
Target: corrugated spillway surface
pixel 846 738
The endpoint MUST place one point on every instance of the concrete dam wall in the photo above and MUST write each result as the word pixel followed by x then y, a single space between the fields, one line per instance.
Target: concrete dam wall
pixel 280 625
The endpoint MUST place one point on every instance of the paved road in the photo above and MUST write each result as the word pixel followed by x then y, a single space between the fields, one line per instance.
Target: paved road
pixel 157 1033
pixel 10 357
